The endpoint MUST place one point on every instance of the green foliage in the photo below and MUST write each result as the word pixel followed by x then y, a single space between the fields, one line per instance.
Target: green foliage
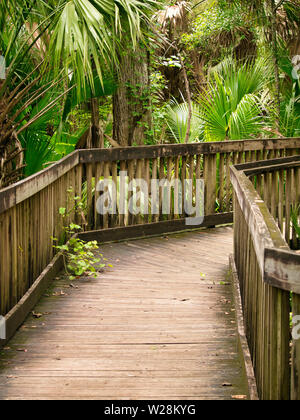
pixel 85 29
pixel 76 43
pixel 218 19
pixel 234 103
pixel 80 42
pixel 38 139
pixel 290 116
pixel 75 207
pixel 158 87
pixel 177 122
pixel 104 87
pixel 79 256
pixel 295 220
pixel 290 105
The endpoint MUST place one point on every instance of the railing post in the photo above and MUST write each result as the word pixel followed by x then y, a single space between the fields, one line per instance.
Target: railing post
pixel 295 391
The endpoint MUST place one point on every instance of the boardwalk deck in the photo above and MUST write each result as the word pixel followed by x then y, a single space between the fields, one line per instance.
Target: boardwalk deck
pixel 159 325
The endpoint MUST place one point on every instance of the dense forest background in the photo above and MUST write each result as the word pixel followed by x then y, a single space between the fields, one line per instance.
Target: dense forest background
pixel 116 73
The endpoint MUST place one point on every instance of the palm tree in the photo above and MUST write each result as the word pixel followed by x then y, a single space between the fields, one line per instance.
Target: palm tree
pixel 109 36
pixel 46 42
pixel 236 100
pixel 280 21
pixel 24 85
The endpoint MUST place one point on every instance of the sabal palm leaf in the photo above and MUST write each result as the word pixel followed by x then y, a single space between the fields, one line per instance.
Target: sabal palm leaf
pixel 80 37
pixel 216 109
pixel 177 122
pixel 87 33
pixel 242 79
pixel 246 121
pixel 232 108
pixel 290 116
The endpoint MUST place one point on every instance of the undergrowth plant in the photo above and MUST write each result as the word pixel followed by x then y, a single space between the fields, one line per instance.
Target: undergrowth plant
pixel 79 256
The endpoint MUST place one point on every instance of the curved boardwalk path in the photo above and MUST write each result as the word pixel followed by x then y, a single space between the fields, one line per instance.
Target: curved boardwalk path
pixel 159 325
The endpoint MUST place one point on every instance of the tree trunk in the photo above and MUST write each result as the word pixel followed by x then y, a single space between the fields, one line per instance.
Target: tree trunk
pixel 131 102
pixel 11 161
pixel 97 137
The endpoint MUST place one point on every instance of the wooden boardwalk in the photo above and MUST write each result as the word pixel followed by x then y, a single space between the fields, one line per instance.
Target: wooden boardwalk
pixel 159 325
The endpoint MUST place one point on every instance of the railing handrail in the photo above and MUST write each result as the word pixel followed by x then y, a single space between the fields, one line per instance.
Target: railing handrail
pixel 19 192
pixel 270 245
pixel 171 150
pixel 268 270
pixel 271 165
pixel 22 190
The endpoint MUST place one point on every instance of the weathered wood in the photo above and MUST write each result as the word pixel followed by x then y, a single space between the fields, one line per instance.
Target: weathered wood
pixel 241 330
pixel 270 164
pixel 154 152
pixel 210 180
pixel 266 297
pixel 18 314
pixel 295 390
pixel 29 213
pixel 265 233
pixel 282 269
pixel 158 228
pixel 143 329
pixel 21 191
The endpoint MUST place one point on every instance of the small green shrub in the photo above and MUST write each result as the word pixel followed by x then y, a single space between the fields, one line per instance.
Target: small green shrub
pixel 79 256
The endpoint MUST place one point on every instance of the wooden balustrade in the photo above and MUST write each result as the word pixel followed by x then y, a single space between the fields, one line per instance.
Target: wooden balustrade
pixel 29 210
pixel 268 270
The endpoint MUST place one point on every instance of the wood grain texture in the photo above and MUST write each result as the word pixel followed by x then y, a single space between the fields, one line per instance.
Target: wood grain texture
pixel 268 269
pixel 164 150
pixel 159 325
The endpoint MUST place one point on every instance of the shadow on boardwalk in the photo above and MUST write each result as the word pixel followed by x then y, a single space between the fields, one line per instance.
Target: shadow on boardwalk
pixel 159 325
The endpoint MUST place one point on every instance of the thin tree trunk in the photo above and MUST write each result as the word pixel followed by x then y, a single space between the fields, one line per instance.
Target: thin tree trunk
pixel 97 140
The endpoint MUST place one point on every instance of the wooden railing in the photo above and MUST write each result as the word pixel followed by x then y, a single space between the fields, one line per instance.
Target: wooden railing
pixel 269 271
pixel 29 210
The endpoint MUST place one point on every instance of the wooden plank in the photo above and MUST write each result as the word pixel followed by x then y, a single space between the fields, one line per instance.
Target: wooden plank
pixel 295 390
pixel 265 232
pixel 18 314
pixel 157 228
pixel 282 268
pixel 271 168
pixel 25 189
pixel 241 331
pixel 279 269
pixel 22 190
pixel 154 152
pixel 253 164
pixel 180 342
pixel 210 180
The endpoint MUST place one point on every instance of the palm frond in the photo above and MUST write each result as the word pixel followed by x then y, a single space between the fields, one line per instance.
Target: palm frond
pixel 232 107
pixel 177 122
pixel 87 34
